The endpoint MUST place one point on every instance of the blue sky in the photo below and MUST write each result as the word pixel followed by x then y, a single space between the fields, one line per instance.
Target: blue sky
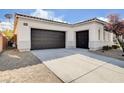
pixel 62 15
pixel 69 15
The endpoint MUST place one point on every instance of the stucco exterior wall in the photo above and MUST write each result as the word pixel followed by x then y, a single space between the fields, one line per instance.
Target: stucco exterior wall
pixel 92 35
pixel 100 37
pixel 95 41
pixel 1 42
pixel 24 33
pixel 106 38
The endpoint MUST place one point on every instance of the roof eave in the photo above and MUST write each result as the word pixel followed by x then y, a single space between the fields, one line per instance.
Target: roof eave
pixel 52 21
pixel 40 19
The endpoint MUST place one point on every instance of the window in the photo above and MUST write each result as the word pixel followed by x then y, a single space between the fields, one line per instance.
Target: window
pixel 122 36
pixel 25 24
pixel 104 35
pixel 99 34
pixel 108 36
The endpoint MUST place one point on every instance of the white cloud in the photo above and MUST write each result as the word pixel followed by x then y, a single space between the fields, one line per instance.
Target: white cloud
pixel 47 15
pixel 6 25
pixel 103 18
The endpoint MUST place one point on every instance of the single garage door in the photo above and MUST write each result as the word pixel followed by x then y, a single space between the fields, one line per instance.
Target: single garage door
pixel 82 39
pixel 47 39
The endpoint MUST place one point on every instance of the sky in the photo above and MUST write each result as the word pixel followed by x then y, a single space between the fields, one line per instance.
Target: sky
pixel 61 15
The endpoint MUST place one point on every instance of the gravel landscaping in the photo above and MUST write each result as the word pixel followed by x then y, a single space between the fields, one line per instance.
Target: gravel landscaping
pixel 114 53
pixel 23 68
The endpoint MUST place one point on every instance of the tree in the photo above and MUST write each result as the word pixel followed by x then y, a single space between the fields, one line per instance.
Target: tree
pixel 9 34
pixel 116 25
pixel 8 16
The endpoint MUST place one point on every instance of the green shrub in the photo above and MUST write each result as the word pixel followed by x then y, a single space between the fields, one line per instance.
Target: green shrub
pixel 109 47
pixel 106 48
pixel 122 44
pixel 115 46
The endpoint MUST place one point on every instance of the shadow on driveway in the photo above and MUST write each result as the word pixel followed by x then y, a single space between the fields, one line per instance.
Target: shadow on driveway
pixel 51 54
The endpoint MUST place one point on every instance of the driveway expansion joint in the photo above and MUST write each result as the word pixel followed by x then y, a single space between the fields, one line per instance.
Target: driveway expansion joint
pixel 87 72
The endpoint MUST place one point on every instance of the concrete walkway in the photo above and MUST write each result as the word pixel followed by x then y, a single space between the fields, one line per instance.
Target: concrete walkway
pixel 80 65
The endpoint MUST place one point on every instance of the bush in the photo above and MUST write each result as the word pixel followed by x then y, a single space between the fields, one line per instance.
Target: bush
pixel 115 46
pixel 106 48
pixel 109 47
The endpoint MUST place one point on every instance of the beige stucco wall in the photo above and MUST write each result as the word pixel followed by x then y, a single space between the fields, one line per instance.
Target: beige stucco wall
pixel 24 33
pixel 92 32
pixel 1 42
pixel 106 38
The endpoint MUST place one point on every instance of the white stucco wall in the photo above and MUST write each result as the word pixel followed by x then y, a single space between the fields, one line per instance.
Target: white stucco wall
pixel 92 32
pixel 95 42
pixel 24 33
pixel 106 38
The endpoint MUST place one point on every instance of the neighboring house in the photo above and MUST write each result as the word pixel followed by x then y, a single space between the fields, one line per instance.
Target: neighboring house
pixel 3 42
pixel 37 33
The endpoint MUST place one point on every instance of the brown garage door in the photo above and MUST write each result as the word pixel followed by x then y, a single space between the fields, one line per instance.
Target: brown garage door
pixel 47 39
pixel 82 39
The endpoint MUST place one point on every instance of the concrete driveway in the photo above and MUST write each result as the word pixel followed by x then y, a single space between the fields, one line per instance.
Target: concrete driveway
pixel 80 65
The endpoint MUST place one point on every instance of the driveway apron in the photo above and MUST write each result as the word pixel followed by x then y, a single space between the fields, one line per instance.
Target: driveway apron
pixel 80 65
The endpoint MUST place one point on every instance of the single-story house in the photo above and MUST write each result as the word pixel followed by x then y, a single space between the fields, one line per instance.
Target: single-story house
pixel 38 33
pixel 3 42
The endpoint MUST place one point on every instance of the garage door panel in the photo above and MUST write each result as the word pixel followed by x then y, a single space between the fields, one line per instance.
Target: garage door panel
pixel 82 39
pixel 46 39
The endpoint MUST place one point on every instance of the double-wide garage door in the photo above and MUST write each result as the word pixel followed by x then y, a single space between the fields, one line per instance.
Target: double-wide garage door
pixel 47 39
